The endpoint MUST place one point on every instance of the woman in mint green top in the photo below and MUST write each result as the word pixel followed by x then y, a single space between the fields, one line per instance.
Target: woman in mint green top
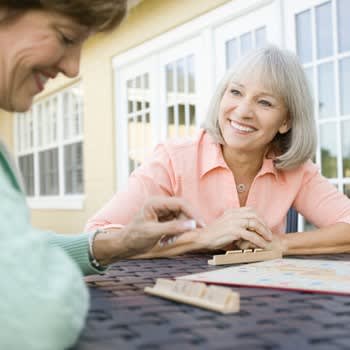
pixel 43 298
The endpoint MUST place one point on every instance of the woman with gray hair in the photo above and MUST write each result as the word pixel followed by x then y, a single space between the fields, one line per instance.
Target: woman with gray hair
pixel 246 168
pixel 43 298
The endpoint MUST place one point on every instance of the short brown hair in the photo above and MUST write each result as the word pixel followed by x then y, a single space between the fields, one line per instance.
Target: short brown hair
pixel 99 15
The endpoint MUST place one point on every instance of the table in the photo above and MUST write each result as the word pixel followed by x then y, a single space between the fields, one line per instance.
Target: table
pixel 123 317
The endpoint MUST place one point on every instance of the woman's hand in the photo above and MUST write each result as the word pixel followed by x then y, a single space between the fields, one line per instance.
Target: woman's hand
pixel 278 243
pixel 160 217
pixel 235 225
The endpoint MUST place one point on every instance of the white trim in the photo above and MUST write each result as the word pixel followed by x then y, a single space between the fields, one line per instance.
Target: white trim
pixel 69 202
pixel 206 81
pixel 198 38
pixel 121 76
pixel 60 137
pixel 52 138
pixel 190 29
pixel 246 23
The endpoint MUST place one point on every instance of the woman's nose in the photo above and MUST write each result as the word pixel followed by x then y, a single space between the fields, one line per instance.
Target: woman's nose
pixel 70 62
pixel 244 109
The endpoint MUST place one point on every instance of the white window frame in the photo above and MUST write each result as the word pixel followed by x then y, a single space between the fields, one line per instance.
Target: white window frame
pixel 169 46
pixel 136 69
pixel 62 200
pixel 252 18
pixel 292 7
pixel 190 47
pixel 154 65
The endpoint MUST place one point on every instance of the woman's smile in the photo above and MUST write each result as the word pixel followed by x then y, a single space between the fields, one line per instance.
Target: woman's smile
pixel 40 80
pixel 241 128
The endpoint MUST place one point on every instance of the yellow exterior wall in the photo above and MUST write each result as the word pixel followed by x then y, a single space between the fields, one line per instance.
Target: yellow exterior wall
pixel 6 129
pixel 148 20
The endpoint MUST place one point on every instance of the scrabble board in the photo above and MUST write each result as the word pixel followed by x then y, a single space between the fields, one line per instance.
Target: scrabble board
pixel 322 276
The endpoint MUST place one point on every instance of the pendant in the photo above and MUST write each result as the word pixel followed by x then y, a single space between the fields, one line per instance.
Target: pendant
pixel 241 188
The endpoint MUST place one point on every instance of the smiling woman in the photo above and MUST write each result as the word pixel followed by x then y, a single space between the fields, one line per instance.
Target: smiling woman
pixel 41 271
pixel 51 46
pixel 246 168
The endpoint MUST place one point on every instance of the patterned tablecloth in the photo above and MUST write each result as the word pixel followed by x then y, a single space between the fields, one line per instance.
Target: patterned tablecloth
pixel 123 317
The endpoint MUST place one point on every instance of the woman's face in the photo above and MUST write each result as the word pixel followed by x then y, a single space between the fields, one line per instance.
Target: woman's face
pixel 35 47
pixel 250 116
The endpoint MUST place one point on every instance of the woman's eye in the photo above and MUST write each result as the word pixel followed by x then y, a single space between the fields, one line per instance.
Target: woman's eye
pixel 66 40
pixel 235 92
pixel 265 103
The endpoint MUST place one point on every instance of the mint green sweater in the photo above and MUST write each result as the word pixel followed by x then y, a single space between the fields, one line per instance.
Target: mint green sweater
pixel 43 298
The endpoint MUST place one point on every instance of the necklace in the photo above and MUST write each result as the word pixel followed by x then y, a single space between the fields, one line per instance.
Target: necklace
pixel 241 188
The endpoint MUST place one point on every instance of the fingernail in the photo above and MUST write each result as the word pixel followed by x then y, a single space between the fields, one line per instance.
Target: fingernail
pixel 189 225
pixel 167 241
pixel 172 240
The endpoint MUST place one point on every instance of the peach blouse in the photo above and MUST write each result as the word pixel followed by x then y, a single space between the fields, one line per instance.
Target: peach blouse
pixel 196 170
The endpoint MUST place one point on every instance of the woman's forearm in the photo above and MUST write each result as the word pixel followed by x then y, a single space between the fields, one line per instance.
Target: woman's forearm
pixel 327 240
pixel 186 242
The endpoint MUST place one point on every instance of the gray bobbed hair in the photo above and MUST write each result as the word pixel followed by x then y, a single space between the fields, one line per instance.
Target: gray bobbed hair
pixel 280 72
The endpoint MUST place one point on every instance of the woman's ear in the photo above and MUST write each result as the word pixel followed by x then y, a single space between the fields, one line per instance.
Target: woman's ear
pixel 286 125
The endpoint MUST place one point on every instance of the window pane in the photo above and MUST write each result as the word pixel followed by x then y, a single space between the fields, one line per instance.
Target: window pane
pixel 48 165
pixel 26 165
pixel 324 30
pixel 182 120
pixel 172 127
pixel 53 119
pixel 146 81
pixel 169 77
pixel 138 82
pixel 231 52
pixel 310 80
pixel 131 163
pixel 65 107
pixel 77 117
pixel 347 190
pixel 180 97
pixel 345 127
pixel 39 120
pixel 132 133
pixel 260 37
pixel 192 115
pixel 73 112
pixel 25 131
pixel 246 42
pixel 343 25
pixel 180 70
pixel 326 95
pixel 344 75
pixel 303 36
pixel 46 122
pixel 30 129
pixel 328 143
pixel 73 168
pixel 148 130
pixel 190 67
pixel 66 113
pixel 192 119
pixel 139 118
